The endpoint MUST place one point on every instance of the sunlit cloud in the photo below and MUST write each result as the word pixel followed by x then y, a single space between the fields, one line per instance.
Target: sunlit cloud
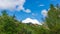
pixel 11 5
pixel 44 12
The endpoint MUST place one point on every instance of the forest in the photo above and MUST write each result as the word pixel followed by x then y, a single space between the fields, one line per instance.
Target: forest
pixel 51 25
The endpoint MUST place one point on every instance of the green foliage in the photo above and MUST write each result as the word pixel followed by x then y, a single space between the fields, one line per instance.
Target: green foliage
pixel 53 20
pixel 9 25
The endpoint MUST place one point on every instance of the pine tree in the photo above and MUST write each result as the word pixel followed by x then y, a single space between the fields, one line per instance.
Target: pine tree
pixel 53 20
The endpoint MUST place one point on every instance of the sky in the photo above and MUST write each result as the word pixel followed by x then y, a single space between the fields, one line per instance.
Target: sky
pixel 28 10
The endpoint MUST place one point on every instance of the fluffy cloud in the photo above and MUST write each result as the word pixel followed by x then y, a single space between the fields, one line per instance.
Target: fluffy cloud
pixel 5 4
pixel 33 21
pixel 11 4
pixel 44 12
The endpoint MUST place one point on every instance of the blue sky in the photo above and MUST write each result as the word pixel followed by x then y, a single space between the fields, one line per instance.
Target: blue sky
pixel 28 8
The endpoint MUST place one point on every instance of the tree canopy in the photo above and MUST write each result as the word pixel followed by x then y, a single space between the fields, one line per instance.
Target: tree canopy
pixel 9 25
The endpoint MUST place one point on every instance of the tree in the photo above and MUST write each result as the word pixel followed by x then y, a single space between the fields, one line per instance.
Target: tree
pixel 7 24
pixel 53 19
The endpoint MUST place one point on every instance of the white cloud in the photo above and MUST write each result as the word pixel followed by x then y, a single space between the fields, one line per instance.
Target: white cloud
pixel 28 11
pixel 11 4
pixel 33 21
pixel 41 5
pixel 44 12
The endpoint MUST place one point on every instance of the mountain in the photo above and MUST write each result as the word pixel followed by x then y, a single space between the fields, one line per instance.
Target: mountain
pixel 33 21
